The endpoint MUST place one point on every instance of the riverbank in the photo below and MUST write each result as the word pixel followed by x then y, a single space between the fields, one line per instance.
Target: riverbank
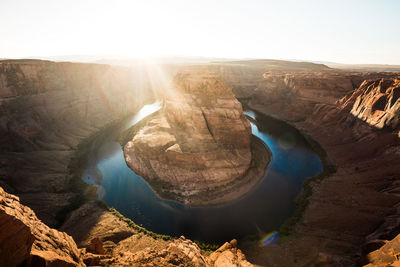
pixel 85 192
pixel 261 156
pixel 234 192
pixel 328 168
pixel 341 211
pixel 302 200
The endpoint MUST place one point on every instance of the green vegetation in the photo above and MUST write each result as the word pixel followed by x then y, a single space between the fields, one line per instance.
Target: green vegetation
pixel 203 246
pixel 206 247
pixel 138 228
pixel 302 199
pixel 85 192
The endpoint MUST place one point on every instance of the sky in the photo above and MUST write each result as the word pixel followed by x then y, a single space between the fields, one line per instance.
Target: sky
pixel 351 31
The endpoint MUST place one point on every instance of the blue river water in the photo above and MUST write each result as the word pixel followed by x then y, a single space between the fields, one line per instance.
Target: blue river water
pixel 260 211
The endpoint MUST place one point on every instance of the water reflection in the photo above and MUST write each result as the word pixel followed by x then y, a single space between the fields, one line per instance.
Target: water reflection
pixel 265 208
pixel 108 148
pixel 145 111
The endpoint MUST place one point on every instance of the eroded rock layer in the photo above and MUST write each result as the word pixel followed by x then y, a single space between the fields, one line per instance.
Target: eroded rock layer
pixel 294 95
pixel 24 239
pixel 46 110
pixel 352 211
pixel 377 103
pixel 201 139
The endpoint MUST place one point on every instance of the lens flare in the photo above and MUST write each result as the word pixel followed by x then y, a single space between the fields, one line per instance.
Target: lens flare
pixel 101 192
pixel 287 141
pixel 269 239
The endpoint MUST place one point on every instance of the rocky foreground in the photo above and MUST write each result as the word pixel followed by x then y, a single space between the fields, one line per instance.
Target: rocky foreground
pixel 199 142
pixel 26 241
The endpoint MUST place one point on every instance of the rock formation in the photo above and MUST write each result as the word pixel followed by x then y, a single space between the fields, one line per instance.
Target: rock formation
pixel 46 110
pixel 351 212
pixel 387 255
pixel 229 255
pixel 201 140
pixel 24 239
pixel 285 93
pixel 377 103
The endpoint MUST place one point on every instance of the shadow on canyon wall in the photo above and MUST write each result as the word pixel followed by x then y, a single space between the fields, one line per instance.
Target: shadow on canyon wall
pixel 48 108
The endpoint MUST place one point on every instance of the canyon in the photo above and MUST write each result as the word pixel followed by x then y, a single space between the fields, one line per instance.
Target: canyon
pixel 346 216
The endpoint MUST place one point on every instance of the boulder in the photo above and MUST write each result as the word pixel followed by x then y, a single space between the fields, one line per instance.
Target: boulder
pixel 24 239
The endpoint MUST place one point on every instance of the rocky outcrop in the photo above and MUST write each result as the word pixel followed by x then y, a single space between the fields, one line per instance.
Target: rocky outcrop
pixel 229 255
pixel 387 255
pixel 377 103
pixel 91 221
pixel 180 252
pixel 201 140
pixel 24 239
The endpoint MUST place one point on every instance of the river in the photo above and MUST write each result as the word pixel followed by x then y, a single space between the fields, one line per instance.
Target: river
pixel 260 211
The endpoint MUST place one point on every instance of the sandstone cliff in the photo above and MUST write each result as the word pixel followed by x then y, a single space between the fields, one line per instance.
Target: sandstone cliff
pixel 286 93
pixel 351 212
pixel 200 141
pixel 46 110
pixel 244 76
pixel 377 103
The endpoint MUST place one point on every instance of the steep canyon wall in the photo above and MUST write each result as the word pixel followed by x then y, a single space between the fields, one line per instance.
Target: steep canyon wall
pixel 46 110
pixel 354 117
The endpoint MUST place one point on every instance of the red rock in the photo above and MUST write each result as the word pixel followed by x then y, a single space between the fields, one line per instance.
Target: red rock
pixel 358 203
pixel 95 246
pixel 293 95
pixel 24 238
pixel 16 238
pixel 228 255
pixel 377 103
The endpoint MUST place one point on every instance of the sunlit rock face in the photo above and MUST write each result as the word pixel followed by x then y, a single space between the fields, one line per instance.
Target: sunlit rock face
pixel 377 102
pixel 46 110
pixel 26 241
pixel 199 141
